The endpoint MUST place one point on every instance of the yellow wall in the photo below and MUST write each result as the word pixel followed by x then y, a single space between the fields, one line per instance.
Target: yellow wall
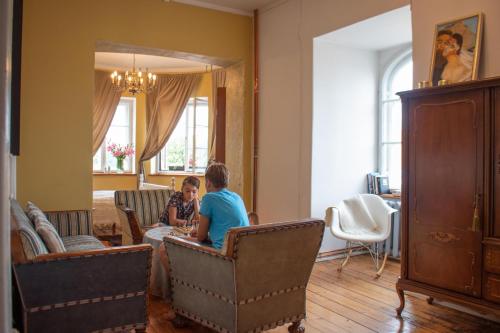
pixel 55 166
pixel 129 182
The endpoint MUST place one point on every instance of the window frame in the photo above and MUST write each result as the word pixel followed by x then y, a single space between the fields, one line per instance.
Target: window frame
pixel 157 159
pixel 384 97
pixel 132 101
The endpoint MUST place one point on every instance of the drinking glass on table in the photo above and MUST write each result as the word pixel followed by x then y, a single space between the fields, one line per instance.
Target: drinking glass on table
pixel 193 228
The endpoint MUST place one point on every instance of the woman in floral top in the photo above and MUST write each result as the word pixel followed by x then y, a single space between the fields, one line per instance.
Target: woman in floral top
pixel 182 204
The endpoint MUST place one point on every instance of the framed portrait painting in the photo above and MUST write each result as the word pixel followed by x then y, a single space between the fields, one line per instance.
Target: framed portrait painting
pixel 455 54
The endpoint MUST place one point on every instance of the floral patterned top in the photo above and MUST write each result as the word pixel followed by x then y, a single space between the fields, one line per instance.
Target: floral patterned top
pixel 184 211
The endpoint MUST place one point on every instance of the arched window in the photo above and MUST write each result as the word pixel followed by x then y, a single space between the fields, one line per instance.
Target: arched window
pixel 398 77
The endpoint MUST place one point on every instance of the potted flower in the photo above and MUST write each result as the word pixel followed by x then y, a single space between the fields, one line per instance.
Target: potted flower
pixel 120 153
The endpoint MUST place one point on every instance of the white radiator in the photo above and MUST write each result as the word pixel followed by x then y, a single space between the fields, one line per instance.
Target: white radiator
pixel 392 244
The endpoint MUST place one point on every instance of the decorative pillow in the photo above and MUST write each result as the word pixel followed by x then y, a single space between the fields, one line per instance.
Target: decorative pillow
pixel 45 229
pixel 33 212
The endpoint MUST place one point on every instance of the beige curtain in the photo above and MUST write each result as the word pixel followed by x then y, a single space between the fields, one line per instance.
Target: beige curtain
pixel 164 107
pixel 106 99
pixel 218 81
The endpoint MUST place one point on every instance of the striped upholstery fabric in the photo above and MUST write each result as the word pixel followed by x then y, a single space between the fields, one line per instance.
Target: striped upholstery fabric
pixel 148 204
pixel 32 243
pixel 81 243
pixel 71 223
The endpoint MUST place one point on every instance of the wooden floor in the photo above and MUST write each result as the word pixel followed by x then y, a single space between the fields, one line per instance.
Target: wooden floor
pixel 354 301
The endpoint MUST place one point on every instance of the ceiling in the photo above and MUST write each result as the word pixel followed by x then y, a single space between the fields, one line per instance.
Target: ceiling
pixel 376 33
pixel 242 7
pixel 123 61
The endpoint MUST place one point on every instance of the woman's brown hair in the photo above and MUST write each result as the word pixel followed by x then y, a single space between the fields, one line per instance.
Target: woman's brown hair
pixel 191 180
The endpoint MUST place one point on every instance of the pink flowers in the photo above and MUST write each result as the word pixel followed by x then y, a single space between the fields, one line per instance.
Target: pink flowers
pixel 119 151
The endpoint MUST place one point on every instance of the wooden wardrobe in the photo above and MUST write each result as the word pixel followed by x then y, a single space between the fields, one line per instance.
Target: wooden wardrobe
pixel 450 197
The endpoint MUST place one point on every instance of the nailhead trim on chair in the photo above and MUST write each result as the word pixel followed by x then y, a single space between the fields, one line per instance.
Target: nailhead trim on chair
pixel 277 323
pixel 242 302
pixel 270 294
pixel 195 248
pixel 200 320
pixel 220 329
pixel 84 301
pixel 89 255
pixel 198 288
pixel 273 229
pixel 122 328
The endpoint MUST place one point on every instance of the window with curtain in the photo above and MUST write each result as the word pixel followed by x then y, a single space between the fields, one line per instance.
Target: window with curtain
pixel 398 77
pixel 122 132
pixel 187 148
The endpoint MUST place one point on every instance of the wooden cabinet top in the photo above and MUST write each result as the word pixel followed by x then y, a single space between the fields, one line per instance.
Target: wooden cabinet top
pixel 456 87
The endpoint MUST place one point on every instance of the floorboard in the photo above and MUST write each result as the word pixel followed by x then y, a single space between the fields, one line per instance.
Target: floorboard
pixel 354 301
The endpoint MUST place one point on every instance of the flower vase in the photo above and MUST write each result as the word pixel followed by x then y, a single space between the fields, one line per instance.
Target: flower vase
pixel 119 165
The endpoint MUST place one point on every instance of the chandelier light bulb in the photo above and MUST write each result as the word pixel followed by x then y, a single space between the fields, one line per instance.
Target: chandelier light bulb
pixel 134 80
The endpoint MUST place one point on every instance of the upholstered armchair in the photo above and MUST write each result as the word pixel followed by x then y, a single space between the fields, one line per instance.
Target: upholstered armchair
pixel 139 210
pixel 258 281
pixel 363 220
pixel 87 288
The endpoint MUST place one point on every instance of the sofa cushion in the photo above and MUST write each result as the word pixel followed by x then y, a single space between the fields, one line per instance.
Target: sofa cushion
pixel 81 243
pixel 32 243
pixel 45 229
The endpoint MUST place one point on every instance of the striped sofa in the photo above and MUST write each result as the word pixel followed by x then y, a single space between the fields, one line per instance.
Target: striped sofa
pixel 138 210
pixel 88 288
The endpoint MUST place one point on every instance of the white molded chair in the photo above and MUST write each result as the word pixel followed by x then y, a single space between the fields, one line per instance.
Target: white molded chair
pixel 361 220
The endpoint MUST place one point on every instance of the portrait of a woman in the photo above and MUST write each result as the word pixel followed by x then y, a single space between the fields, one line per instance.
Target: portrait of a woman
pixel 456 51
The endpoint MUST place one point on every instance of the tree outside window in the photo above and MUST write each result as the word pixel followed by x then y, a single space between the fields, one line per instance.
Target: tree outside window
pixel 187 147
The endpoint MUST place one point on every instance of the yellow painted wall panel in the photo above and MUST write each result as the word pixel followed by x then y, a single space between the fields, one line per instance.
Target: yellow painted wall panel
pixel 59 38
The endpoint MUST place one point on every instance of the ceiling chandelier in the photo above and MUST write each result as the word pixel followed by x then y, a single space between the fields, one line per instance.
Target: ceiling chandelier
pixel 134 82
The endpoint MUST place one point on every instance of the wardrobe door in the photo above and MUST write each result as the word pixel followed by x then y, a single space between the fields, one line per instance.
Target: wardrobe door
pixel 495 232
pixel 445 191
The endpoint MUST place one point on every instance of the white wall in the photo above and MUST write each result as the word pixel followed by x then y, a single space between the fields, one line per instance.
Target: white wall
pixel 344 142
pixel 5 57
pixel 386 56
pixel 286 79
pixel 425 15
pixel 286 67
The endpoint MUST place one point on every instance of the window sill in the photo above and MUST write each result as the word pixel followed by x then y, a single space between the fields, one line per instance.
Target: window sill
pixel 177 173
pixel 114 174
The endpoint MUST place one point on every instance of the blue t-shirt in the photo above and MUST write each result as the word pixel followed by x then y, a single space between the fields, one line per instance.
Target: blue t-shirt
pixel 225 210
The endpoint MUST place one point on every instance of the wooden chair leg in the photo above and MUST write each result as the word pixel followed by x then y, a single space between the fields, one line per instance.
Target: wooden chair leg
pixel 296 327
pixel 180 321
pixel 379 273
pixel 346 259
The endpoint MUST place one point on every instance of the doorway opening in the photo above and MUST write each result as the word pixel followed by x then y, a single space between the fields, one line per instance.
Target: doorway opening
pixel 356 115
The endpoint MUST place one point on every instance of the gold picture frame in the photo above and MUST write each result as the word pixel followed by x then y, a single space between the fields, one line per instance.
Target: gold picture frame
pixel 456 50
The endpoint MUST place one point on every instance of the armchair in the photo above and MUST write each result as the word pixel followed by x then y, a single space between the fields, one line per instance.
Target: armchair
pixel 258 281
pixel 139 210
pixel 363 220
pixel 89 288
